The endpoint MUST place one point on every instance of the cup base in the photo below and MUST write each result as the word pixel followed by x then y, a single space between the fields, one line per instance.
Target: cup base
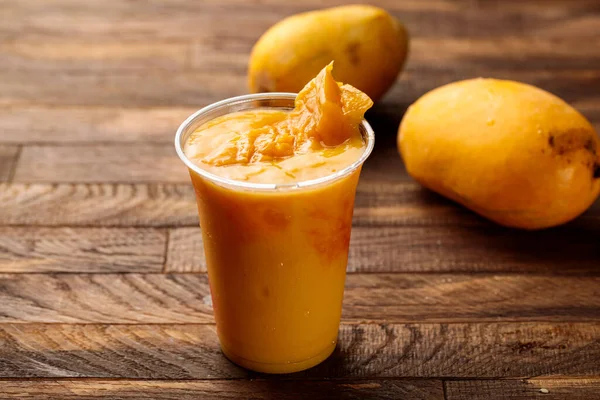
pixel 279 368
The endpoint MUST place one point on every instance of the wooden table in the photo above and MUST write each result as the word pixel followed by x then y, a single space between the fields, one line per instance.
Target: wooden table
pixel 103 290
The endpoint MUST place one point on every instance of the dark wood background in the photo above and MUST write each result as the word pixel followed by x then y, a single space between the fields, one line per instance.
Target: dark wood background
pixel 103 289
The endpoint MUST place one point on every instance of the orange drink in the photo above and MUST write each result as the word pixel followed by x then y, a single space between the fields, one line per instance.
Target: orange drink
pixel 275 177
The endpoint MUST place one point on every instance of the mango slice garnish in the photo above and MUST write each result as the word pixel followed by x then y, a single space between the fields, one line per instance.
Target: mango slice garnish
pixel 326 114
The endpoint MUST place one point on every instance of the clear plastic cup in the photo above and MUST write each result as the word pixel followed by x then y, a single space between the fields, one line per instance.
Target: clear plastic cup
pixel 276 253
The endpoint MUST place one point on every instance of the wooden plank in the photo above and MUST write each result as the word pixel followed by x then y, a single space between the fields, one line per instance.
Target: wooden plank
pixel 106 298
pixel 154 21
pixel 76 55
pixel 449 297
pixel 161 205
pixel 160 88
pixel 48 125
pixel 364 351
pixel 101 56
pixel 99 163
pixel 134 163
pixel 563 250
pixel 98 205
pixel 571 84
pixel 380 203
pixel 227 389
pixel 8 161
pixel 590 110
pixel 552 389
pixel 185 298
pixel 158 124
pixel 222 53
pixel 185 19
pixel 155 87
pixel 532 18
pixel 81 250
pixel 557 251
pixel 91 124
pixel 507 52
pixel 185 252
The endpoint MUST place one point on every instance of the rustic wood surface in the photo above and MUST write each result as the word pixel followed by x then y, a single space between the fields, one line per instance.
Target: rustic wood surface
pixel 103 287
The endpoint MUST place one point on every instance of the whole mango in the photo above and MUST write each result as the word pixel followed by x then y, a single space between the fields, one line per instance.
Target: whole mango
pixel 367 44
pixel 509 151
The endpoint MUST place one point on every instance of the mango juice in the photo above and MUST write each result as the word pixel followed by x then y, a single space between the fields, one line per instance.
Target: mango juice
pixel 275 190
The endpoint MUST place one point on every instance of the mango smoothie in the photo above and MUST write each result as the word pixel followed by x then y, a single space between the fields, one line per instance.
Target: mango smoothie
pixel 275 188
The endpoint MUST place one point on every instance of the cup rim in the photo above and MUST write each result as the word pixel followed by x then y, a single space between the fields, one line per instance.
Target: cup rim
pixel 368 133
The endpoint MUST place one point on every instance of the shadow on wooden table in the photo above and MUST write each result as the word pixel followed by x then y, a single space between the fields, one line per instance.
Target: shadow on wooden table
pixel 470 239
pixel 448 231
pixel 309 385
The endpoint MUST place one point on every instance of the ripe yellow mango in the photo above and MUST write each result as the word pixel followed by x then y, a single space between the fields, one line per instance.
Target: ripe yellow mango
pixel 368 46
pixel 509 151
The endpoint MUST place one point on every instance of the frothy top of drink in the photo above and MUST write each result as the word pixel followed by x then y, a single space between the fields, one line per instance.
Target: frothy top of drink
pixel 319 137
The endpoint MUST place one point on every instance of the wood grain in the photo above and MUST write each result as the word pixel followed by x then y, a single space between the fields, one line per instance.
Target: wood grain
pixel 54 125
pixel 439 304
pixel 154 21
pixel 185 252
pixel 575 19
pixel 212 55
pixel 118 56
pixel 556 251
pixel 158 205
pixel 373 298
pixel 228 389
pixel 514 52
pixel 448 297
pixel 121 298
pixel 364 351
pixel 101 163
pixel 572 389
pixel 407 203
pixel 555 389
pixel 8 160
pixel 98 205
pixel 569 84
pixel 90 124
pixel 76 55
pixel 157 162
pixel 81 250
pixel 384 249
pixel 137 162
pixel 160 88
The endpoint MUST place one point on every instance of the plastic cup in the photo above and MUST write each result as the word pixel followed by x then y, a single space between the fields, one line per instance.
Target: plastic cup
pixel 276 253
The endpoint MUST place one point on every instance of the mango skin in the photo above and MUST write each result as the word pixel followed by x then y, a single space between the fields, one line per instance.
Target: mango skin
pixel 368 47
pixel 509 151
